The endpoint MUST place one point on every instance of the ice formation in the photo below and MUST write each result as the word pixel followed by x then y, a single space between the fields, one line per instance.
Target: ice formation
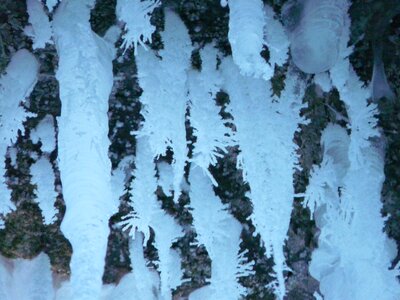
pixel 40 29
pixel 45 133
pixel 86 78
pixel 141 283
pixel 147 213
pixel 267 154
pixel 212 137
pixel 275 38
pixel 315 41
pixel 25 279
pixel 220 233
pixel 15 86
pixel 246 36
pixel 43 176
pixel 164 86
pixel 136 14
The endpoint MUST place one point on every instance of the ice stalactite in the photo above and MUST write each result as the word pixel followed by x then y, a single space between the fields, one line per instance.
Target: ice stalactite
pixel 212 137
pixel 379 84
pixel 26 279
pixel 136 14
pixel 265 130
pixel 216 228
pixel 246 36
pixel 220 233
pixel 15 85
pixel 86 78
pixel 275 38
pixel 40 29
pixel 164 96
pixel 316 39
pixel 147 213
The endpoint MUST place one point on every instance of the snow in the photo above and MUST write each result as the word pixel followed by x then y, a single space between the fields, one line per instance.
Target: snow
pixel 267 155
pixel 220 233
pixel 45 133
pixel 164 86
pixel 136 14
pixel 19 279
pixel 246 36
pixel 86 78
pixel 43 176
pixel 315 41
pixel 15 85
pixel 40 29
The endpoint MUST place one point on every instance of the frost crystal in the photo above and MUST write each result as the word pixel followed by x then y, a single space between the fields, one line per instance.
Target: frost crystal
pixel 136 14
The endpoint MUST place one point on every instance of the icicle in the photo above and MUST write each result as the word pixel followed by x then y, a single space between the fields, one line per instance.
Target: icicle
pixel 86 78
pixel 15 85
pixel 40 29
pixel 379 84
pixel 275 38
pixel 220 233
pixel 43 176
pixel 164 95
pixel 136 14
pixel 25 279
pixel 265 130
pixel 315 41
pixel 149 214
pixel 213 137
pixel 246 36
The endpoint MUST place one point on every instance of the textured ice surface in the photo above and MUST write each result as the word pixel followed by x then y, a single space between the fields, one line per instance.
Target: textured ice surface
pixel 40 29
pixel 149 214
pixel 213 136
pixel 86 78
pixel 265 127
pixel 315 41
pixel 246 36
pixel 220 233
pixel 25 279
pixel 164 86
